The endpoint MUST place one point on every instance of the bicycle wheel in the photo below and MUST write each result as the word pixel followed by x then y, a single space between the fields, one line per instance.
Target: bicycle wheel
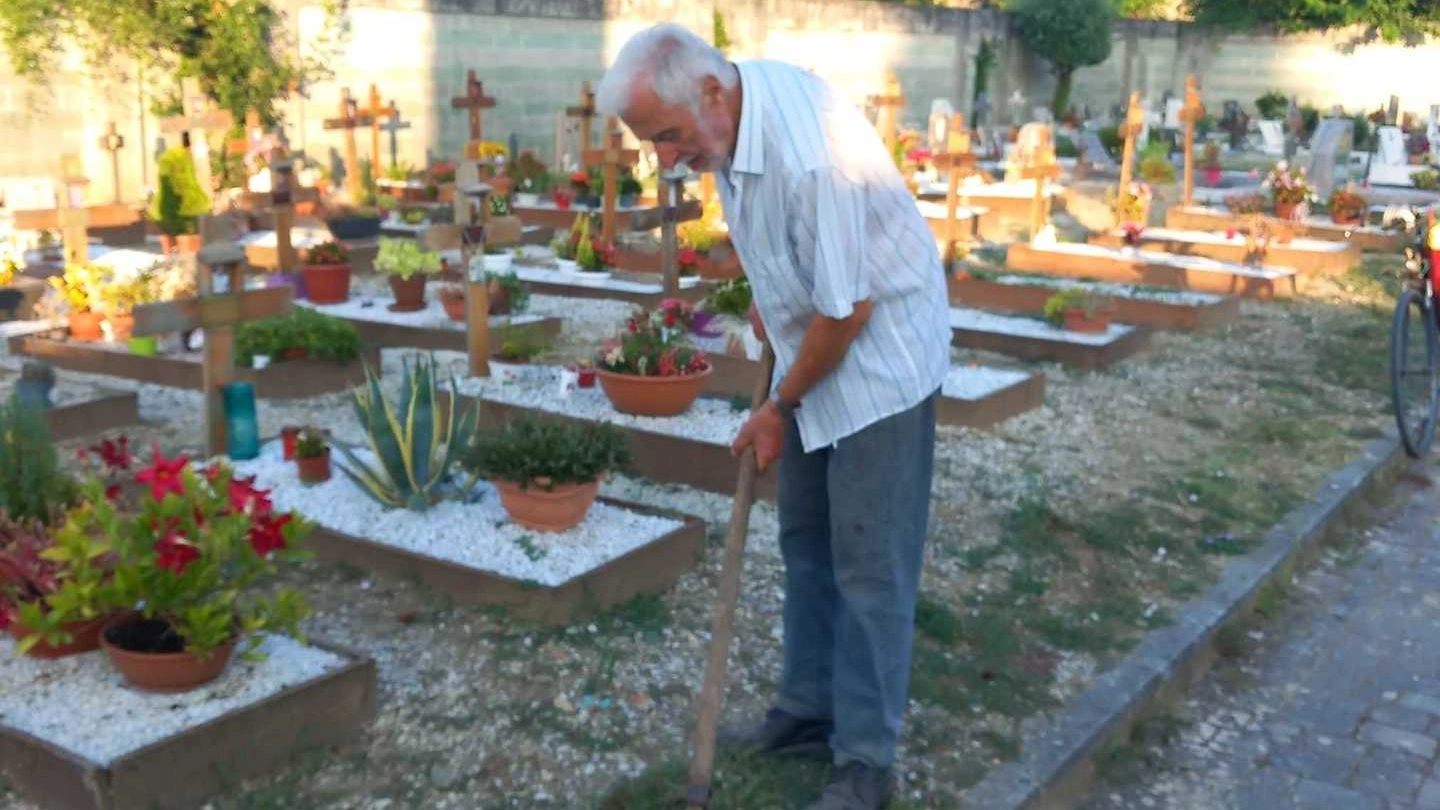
pixel 1415 371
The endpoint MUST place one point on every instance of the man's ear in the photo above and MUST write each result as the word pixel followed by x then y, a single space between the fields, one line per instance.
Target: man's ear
pixel 711 91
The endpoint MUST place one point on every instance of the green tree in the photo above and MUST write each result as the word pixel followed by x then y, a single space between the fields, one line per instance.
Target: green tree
pixel 720 38
pixel 1408 21
pixel 1142 9
pixel 1070 33
pixel 238 49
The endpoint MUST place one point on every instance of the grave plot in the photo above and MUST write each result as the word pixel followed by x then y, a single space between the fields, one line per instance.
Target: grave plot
pixel 1034 339
pixel 430 328
pixel 397 225
pixel 1209 218
pixel 282 379
pixel 262 249
pixel 73 736
pixel 638 217
pixel 1306 256
pixel 1155 307
pixel 1008 204
pixel 78 409
pixel 1152 268
pixel 474 552
pixel 973 396
pixel 691 449
pixel 643 289
pixel 971 221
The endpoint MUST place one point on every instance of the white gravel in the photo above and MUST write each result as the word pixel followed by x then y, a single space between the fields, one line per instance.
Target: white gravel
pixel 1218 238
pixel 1187 297
pixel 1199 263
pixel 365 308
pixel 936 210
pixel 128 260
pixel 300 237
pixel 547 275
pixel 65 392
pixel 478 535
pixel 63 702
pixel 974 383
pixel 1022 327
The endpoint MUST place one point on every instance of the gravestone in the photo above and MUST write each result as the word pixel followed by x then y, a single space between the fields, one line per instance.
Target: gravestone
pixel 1294 129
pixel 1235 123
pixel 1272 137
pixel 1093 152
pixel 1173 106
pixel 939 129
pixel 1390 147
pixel 1330 155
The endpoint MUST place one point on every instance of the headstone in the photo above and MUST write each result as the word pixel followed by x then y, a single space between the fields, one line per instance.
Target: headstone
pixel 1236 123
pixel 1094 152
pixel 1173 106
pixel 1294 129
pixel 1392 114
pixel 1272 138
pixel 1017 108
pixel 939 129
pixel 1330 155
pixel 1390 146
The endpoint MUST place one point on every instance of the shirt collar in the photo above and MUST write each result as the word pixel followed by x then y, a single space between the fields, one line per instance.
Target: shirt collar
pixel 749 141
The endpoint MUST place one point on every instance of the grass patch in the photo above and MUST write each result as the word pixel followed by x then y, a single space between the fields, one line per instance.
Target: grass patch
pixel 740 783
pixel 1142 752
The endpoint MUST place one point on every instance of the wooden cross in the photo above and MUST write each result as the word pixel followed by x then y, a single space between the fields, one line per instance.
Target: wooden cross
pixel 197 117
pixel 393 125
pixel 350 118
pixel 112 141
pixel 471 211
pixel 612 156
pixel 1190 113
pixel 377 110
pixel 72 216
pixel 888 106
pixel 959 162
pixel 585 111
pixel 1043 169
pixel 216 315
pixel 282 202
pixel 254 133
pixel 474 101
pixel 672 190
pixel 1130 130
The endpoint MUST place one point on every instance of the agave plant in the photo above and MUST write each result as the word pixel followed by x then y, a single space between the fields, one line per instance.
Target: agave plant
pixel 414 444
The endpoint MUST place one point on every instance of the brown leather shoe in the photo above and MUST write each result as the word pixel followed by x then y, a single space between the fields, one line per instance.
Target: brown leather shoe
pixel 780 735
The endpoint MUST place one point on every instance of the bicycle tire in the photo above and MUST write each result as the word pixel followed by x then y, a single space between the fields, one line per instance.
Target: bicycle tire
pixel 1416 438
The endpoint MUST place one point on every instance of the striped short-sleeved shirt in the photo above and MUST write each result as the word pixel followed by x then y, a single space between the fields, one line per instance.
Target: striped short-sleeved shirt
pixel 822 220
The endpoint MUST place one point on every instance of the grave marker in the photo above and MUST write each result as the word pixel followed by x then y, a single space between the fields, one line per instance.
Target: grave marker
pixel 252 136
pixel 584 112
pixel 471 212
pixel 473 102
pixel 216 315
pixel 1129 129
pixel 958 161
pixel 377 110
pixel 672 189
pixel 1044 169
pixel 72 216
pixel 112 141
pixel 393 125
pixel 1330 150
pixel 887 111
pixel 192 124
pixel 611 158
pixel 1190 112
pixel 350 119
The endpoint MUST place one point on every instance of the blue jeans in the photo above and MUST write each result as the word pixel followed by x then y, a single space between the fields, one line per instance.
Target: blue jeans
pixel 853 521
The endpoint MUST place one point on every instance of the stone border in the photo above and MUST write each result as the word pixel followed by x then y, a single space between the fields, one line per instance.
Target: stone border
pixel 291 379
pixel 983 294
pixel 643 218
pixel 181 771
pixel 1204 219
pixel 650 568
pixel 1056 768
pixel 657 456
pixel 385 335
pixel 1306 262
pixel 693 295
pixel 1078 355
pixel 1135 270
pixel 108 411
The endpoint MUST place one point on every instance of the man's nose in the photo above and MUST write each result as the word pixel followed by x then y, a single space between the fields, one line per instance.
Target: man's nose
pixel 667 154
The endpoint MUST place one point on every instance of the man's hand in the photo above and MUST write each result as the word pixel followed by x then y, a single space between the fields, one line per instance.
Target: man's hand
pixel 765 429
pixel 755 323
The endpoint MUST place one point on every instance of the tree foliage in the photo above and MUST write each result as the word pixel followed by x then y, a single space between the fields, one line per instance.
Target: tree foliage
pixel 1407 21
pixel 1070 33
pixel 238 49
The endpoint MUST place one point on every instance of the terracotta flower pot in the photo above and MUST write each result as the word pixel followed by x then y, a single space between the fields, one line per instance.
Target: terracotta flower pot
pixel 167 244
pixel 121 325
pixel 409 293
pixel 288 437
pixel 454 306
pixel 314 469
pixel 1284 210
pixel 1078 320
pixel 652 396
pixel 84 637
pixel 327 283
pixel 188 243
pixel 1345 217
pixel 85 326
pixel 159 671
pixel 498 299
pixel 556 510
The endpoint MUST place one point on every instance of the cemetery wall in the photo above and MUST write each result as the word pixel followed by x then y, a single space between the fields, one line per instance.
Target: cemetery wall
pixel 533 54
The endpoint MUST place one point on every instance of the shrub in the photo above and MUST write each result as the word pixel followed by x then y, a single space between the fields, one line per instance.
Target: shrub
pixel 405 258
pixel 730 297
pixel 321 336
pixel 529 447
pixel 327 253
pixel 1273 105
pixel 32 486
pixel 1155 165
pixel 1427 180
pixel 179 201
pixel 1065 147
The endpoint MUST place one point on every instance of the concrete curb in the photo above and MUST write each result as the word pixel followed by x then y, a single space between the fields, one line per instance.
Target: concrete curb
pixel 1056 767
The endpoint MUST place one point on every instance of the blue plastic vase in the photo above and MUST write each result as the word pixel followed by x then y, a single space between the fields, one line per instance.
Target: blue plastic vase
pixel 242 433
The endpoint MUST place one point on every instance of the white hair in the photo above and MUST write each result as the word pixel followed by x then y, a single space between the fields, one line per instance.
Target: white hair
pixel 673 59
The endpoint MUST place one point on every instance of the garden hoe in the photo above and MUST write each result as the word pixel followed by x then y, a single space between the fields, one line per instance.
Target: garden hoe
pixel 702 765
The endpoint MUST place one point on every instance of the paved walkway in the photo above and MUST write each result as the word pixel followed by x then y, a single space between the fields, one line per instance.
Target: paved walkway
pixel 1337 707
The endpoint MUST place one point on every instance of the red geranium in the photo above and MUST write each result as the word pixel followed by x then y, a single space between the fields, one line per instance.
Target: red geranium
pixel 174 553
pixel 163 475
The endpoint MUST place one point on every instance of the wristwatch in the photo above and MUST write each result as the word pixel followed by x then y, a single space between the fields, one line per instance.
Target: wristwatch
pixel 787 409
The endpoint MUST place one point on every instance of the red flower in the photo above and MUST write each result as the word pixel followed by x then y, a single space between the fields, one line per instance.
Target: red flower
pixel 688 257
pixel 174 553
pixel 115 453
pixel 245 498
pixel 112 492
pixel 266 535
pixel 7 615
pixel 667 366
pixel 163 475
pixel 632 326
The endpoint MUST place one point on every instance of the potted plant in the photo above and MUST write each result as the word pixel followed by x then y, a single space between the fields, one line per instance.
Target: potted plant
pixel 1131 205
pixel 629 189
pixel 178 203
pixel 518 349
pixel 562 197
pixel 289 435
pixel 355 222
pixel 1347 207
pixel 651 369
pixel 531 179
pixel 687 262
pixel 193 571
pixel 121 297
pixel 502 227
pixel 1290 190
pixel 1210 165
pixel 547 471
pixel 80 285
pixel 507 293
pixel 593 257
pixel 302 333
pixel 580 187
pixel 312 456
pixel 1079 311
pixel 327 273
pixel 452 297
pixel 1241 204
pixel 564 247
pixel 408 266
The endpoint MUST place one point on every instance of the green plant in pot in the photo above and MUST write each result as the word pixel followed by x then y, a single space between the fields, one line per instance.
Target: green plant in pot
pixel 178 203
pixel 299 334
pixel 413 441
pixel 452 298
pixel 81 287
pixel 1078 310
pixel 548 471
pixel 629 189
pixel 408 266
pixel 327 273
pixel 507 293
pixel 312 456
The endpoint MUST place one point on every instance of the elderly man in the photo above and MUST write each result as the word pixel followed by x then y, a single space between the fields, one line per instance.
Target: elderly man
pixel 849 289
